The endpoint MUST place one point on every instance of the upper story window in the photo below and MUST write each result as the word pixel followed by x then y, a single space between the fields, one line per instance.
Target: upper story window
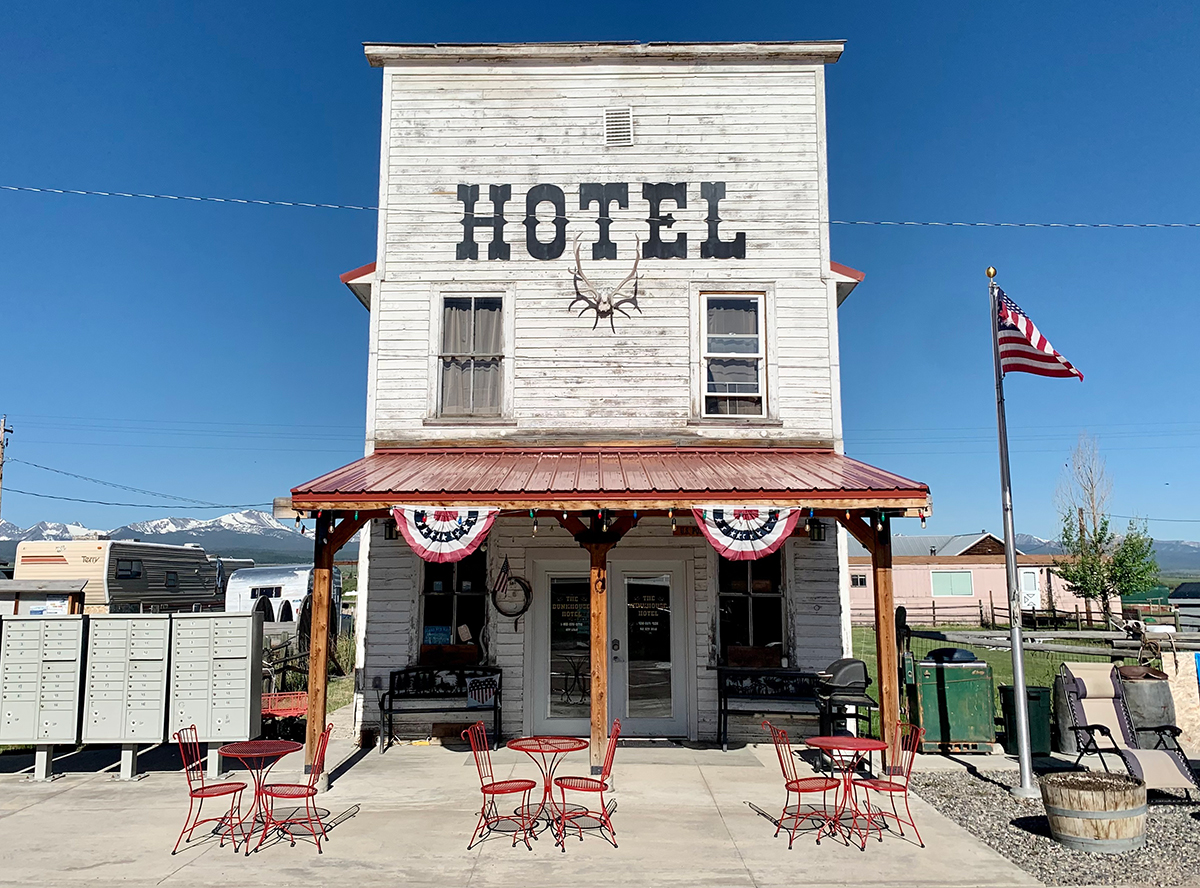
pixel 129 569
pixel 471 354
pixel 734 354
pixel 172 579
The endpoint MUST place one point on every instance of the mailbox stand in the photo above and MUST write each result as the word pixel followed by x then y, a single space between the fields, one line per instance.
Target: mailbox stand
pixel 41 658
pixel 216 678
pixel 126 695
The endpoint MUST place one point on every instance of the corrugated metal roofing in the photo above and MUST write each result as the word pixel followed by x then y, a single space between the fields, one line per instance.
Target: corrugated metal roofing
pixel 620 476
pixel 919 546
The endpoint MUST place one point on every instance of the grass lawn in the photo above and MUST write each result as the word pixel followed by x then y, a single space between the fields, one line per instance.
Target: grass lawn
pixel 339 692
pixel 1040 667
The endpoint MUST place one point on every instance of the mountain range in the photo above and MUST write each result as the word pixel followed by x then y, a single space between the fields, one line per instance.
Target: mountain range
pixel 1174 556
pixel 246 534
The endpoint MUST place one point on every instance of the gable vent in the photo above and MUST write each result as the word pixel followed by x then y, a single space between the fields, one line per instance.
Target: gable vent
pixel 618 126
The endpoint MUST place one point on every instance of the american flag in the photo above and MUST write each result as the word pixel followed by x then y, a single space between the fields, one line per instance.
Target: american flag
pixel 1023 349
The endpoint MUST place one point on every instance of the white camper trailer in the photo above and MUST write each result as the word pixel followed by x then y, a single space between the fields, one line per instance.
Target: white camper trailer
pixel 126 576
pixel 277 591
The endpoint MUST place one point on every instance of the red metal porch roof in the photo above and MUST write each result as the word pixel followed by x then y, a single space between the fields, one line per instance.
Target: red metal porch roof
pixel 645 477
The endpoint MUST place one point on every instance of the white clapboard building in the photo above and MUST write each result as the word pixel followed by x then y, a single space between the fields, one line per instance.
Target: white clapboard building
pixel 603 299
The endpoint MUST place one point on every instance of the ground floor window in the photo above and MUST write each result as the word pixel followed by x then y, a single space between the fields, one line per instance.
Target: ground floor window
pixel 454 600
pixel 947 583
pixel 751 608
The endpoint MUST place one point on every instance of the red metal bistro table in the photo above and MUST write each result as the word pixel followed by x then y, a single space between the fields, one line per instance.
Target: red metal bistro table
pixel 546 753
pixel 847 753
pixel 258 757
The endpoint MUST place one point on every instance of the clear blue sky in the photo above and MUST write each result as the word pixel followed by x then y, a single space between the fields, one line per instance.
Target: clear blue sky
pixel 208 350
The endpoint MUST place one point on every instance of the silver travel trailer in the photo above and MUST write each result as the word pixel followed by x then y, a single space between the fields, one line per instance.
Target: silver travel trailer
pixel 278 591
pixel 127 576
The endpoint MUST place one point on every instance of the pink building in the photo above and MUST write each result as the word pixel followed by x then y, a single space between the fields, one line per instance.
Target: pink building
pixel 958 579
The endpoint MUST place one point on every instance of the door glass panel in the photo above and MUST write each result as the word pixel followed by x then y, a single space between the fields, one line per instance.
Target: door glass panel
pixel 648 638
pixel 570 648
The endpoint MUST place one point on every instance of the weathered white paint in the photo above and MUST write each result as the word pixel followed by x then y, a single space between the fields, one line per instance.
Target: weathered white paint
pixel 528 117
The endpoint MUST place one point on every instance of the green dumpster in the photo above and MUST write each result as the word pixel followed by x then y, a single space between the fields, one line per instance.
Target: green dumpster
pixel 951 697
pixel 1039 719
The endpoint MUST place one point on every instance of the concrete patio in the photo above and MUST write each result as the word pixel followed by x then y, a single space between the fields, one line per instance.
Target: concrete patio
pixel 684 816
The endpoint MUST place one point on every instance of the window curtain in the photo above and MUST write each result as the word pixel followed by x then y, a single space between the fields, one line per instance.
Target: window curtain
pixel 488 347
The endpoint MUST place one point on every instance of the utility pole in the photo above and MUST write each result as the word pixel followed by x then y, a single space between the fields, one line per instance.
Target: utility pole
pixel 5 431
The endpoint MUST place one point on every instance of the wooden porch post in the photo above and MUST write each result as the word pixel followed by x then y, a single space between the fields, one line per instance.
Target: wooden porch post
pixel 885 631
pixel 599 644
pixel 328 540
pixel 318 636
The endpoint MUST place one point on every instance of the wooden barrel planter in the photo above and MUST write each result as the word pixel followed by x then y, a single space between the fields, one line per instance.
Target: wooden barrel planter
pixel 1101 813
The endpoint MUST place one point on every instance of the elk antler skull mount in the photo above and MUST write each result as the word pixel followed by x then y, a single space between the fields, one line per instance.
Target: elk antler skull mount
pixel 605 303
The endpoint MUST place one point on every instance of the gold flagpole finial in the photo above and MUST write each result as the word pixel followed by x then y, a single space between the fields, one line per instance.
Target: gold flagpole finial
pixel 991 272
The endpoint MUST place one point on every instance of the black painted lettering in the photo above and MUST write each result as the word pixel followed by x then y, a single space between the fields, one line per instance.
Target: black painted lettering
pixel 469 194
pixel 714 247
pixel 554 248
pixel 654 247
pixel 605 195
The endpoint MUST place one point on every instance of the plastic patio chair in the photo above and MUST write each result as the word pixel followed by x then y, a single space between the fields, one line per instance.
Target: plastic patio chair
pixel 1098 712
pixel 489 815
pixel 894 781
pixel 797 785
pixel 589 784
pixel 199 790
pixel 292 792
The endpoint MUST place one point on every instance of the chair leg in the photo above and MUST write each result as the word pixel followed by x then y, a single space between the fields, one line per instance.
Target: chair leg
pixel 309 806
pixel 912 822
pixel 480 824
pixel 268 811
pixel 186 821
pixel 606 820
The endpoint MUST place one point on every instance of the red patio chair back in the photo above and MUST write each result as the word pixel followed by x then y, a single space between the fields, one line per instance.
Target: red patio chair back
pixel 318 764
pixel 611 751
pixel 477 735
pixel 783 749
pixel 904 750
pixel 189 750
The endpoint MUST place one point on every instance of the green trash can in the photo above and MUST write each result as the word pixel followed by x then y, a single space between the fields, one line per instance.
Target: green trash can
pixel 1039 719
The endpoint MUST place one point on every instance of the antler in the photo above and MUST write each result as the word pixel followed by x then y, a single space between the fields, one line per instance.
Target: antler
pixel 605 304
pixel 590 299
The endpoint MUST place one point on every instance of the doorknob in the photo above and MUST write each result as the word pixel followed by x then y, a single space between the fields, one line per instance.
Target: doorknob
pixel 616 644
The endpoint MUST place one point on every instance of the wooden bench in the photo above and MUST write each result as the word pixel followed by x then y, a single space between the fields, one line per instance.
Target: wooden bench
pixel 765 692
pixel 461 690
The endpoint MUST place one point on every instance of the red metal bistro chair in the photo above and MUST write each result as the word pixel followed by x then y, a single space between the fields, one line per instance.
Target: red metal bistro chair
pixel 293 792
pixel 795 784
pixel 894 781
pixel 589 784
pixel 489 814
pixel 198 790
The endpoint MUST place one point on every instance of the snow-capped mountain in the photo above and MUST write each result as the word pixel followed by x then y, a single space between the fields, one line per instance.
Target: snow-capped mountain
pixel 45 530
pixel 246 534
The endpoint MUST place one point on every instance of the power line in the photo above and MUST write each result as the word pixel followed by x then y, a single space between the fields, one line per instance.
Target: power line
pixel 330 206
pixel 235 200
pixel 172 496
pixel 1145 518
pixel 71 499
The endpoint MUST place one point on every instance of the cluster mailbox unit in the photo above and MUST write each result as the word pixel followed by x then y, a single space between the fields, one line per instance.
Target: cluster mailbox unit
pixel 211 663
pixel 216 677
pixel 40 663
pixel 126 695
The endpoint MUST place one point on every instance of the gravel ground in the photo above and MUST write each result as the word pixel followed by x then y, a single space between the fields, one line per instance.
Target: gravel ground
pixel 1018 829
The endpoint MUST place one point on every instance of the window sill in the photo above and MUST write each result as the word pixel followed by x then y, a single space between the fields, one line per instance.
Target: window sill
pixel 762 421
pixel 459 421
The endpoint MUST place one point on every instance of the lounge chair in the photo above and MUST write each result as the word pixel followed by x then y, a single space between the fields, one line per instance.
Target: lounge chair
pixel 1101 722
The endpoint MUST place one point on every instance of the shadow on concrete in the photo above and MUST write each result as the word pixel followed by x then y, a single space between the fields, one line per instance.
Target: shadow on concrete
pixel 93 759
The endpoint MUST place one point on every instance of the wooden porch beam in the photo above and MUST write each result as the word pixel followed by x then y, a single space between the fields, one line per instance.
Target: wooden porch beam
pixel 329 537
pixel 598 541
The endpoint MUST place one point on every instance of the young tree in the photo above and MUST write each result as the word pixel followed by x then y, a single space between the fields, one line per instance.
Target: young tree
pixel 1100 564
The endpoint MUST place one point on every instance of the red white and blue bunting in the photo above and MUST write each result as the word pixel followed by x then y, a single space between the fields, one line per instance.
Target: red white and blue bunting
pixel 440 534
pixel 744 533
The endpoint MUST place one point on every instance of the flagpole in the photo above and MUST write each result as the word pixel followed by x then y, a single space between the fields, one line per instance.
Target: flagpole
pixel 1026 788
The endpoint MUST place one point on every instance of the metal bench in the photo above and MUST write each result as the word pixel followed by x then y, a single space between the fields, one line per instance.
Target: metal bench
pixel 285 705
pixel 461 690
pixel 763 692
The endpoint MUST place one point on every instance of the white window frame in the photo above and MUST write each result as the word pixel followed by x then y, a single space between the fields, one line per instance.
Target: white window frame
pixel 855 577
pixel 761 296
pixel 933 588
pixel 437 298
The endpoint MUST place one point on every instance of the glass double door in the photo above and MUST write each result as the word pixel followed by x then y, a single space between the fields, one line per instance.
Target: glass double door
pixel 645 650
